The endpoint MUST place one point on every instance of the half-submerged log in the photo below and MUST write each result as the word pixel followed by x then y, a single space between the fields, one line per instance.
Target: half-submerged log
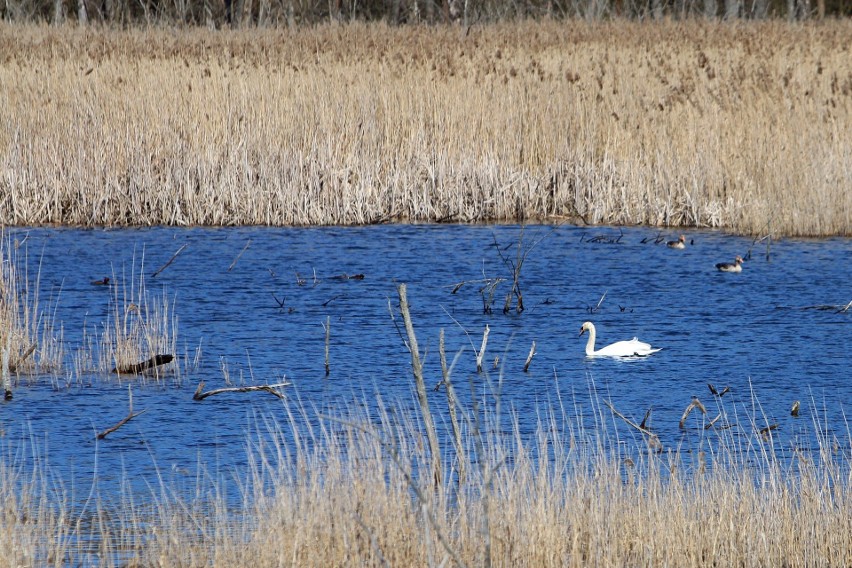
pixel 271 389
pixel 139 368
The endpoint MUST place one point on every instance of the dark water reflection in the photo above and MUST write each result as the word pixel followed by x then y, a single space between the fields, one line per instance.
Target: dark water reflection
pixel 743 330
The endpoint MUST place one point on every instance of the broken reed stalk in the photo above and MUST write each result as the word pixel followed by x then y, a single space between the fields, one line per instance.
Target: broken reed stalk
pixel 14 366
pixel 234 263
pixel 4 369
pixel 529 358
pixel 271 389
pixel 171 260
pixel 451 404
pixel 130 416
pixel 481 353
pixel 417 368
pixel 327 341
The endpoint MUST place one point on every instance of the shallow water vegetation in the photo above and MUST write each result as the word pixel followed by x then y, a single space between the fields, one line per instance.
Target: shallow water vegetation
pixel 355 487
pixel 742 126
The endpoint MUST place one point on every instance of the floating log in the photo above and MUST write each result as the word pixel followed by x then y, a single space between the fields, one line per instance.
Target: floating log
pixel 271 389
pixel 138 368
pixel 171 260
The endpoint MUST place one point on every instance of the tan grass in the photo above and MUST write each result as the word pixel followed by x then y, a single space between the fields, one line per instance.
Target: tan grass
pixel 33 336
pixel 350 495
pixel 745 126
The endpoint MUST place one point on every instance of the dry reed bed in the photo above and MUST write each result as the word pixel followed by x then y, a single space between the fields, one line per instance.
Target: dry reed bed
pixel 138 325
pixel 746 126
pixel 334 497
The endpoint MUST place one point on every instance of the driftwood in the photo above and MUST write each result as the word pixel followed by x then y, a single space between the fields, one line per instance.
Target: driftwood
pixel 529 358
pixel 130 416
pixel 171 260
pixel 234 263
pixel 692 405
pixel 14 366
pixel 138 368
pixel 271 389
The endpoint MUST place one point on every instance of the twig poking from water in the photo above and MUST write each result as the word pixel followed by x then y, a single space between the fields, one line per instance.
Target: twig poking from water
pixel 417 368
pixel 598 306
pixel 712 422
pixel 4 368
pixel 130 416
pixel 795 410
pixel 271 389
pixel 643 424
pixel 845 308
pixel 327 327
pixel 529 358
pixel 481 353
pixel 653 439
pixel 836 308
pixel 604 239
pixel 234 263
pixel 138 368
pixel 692 405
pixel 171 260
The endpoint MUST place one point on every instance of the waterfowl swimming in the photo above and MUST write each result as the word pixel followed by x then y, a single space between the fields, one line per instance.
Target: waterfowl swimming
pixel 735 266
pixel 632 348
pixel 680 243
pixel 102 282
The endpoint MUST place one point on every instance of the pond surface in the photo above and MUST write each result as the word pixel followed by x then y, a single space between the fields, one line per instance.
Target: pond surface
pixel 260 311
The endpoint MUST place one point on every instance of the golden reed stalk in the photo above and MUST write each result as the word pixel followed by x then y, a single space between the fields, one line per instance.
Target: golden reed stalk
pixel 744 126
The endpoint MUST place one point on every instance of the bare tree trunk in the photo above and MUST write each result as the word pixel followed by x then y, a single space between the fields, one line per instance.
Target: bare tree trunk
pixel 732 9
pixel 711 9
pixel 82 14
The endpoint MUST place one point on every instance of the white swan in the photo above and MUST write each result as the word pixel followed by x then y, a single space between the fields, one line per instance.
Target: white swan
pixel 632 348
pixel 735 266
pixel 680 243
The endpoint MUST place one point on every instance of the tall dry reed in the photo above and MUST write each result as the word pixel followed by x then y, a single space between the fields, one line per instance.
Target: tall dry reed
pixel 29 332
pixel 744 126
pixel 356 488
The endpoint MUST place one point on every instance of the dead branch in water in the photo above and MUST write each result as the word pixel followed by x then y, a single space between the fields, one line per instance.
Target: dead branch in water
pixel 130 416
pixel 481 353
pixel 327 327
pixel 4 368
pixel 417 369
pixel 138 368
pixel 529 358
pixel 171 260
pixel 234 263
pixel 13 367
pixel 271 389
pixel 692 405
pixel 653 439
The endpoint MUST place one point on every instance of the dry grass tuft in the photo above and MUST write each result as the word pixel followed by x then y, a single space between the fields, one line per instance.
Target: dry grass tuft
pixel 746 126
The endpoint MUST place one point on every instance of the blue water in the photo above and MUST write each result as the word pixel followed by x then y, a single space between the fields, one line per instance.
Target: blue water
pixel 749 331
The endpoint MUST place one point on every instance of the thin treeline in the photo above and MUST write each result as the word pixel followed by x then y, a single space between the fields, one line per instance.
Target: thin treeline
pixel 746 127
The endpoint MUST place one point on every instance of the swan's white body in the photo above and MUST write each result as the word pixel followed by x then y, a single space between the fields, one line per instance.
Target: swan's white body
pixel 735 266
pixel 680 243
pixel 632 348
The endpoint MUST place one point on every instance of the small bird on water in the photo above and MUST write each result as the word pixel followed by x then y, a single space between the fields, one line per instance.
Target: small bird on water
pixel 735 266
pixel 680 243
pixel 102 282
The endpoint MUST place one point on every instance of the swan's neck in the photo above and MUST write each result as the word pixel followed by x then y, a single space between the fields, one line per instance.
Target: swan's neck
pixel 590 344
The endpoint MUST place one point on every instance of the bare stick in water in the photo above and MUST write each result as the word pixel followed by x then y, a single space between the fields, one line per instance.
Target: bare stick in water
pixel 529 358
pixel 481 352
pixel 271 389
pixel 417 368
pixel 171 260
pixel 130 416
pixel 4 369
pixel 451 404
pixel 14 366
pixel 239 255
pixel 327 341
